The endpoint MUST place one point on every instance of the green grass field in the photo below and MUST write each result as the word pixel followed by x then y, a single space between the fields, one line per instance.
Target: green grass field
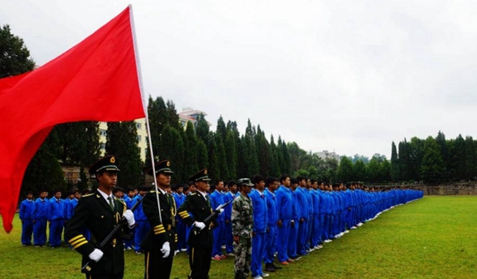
pixel 435 237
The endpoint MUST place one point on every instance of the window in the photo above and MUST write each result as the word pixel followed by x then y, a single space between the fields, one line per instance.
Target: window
pixel 139 138
pixel 138 126
pixel 103 132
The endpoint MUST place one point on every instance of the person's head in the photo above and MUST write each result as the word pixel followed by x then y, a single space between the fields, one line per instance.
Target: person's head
pixel 130 192
pixel 192 187
pixel 285 180
pixel 293 183
pixel 201 180
pixel 259 182
pixel 77 194
pixel 308 183
pixel 226 188
pixel 244 185
pixel 301 181
pixel 163 174
pixel 219 185
pixel 185 190
pixel 29 195
pixel 57 194
pixel 71 195
pixel 232 186
pixel 106 172
pixel 118 192
pixel 43 194
pixel 272 183
pixel 143 190
pixel 179 189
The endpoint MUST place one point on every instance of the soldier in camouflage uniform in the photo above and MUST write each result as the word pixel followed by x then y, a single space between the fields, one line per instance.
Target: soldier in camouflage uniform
pixel 242 222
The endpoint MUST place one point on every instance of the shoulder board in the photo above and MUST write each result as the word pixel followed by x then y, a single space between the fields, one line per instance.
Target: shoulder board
pixel 193 194
pixel 152 191
pixel 87 195
pixel 120 201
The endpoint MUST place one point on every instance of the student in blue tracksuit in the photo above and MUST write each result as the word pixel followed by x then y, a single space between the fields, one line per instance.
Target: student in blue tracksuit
pixel 179 198
pixel 56 219
pixel 294 225
pixel 316 228
pixel 311 211
pixel 302 222
pixel 271 243
pixel 26 216
pixel 70 204
pixel 229 196
pixel 285 215
pixel 142 224
pixel 216 199
pixel 40 217
pixel 260 226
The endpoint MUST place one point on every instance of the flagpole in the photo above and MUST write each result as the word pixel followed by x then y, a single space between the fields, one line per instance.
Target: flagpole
pixel 138 65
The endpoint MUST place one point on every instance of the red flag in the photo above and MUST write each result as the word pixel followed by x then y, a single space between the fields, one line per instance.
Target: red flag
pixel 95 80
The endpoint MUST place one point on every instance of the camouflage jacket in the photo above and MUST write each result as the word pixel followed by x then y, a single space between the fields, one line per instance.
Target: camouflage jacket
pixel 242 216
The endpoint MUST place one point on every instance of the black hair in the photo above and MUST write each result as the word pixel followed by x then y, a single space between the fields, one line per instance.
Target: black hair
pixel 231 182
pixel 271 180
pixel 257 178
pixel 283 177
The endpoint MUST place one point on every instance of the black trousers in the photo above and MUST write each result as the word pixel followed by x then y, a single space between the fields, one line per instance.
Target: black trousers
pixel 157 267
pixel 199 261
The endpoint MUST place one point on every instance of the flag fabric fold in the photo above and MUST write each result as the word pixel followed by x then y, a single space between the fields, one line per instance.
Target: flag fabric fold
pixel 96 80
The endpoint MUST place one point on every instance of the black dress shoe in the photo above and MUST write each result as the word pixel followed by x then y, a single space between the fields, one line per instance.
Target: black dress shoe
pixel 276 267
pixel 269 267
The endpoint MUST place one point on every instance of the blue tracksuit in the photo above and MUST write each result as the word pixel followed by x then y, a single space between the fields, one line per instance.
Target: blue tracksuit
pixel 271 245
pixel 40 217
pixel 128 244
pixel 228 222
pixel 180 225
pixel 260 228
pixel 216 199
pixel 142 227
pixel 285 215
pixel 26 215
pixel 297 212
pixel 56 217
pixel 302 221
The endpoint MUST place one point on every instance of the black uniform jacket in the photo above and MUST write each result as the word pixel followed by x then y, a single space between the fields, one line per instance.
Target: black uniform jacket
pixel 95 214
pixel 200 209
pixel 160 231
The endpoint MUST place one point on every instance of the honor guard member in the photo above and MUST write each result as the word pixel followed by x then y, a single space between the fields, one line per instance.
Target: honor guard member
pixel 100 212
pixel 159 244
pixel 200 237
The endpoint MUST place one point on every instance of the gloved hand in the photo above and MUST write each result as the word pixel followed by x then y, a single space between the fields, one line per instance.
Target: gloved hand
pixel 129 216
pixel 220 210
pixel 96 255
pixel 199 225
pixel 166 249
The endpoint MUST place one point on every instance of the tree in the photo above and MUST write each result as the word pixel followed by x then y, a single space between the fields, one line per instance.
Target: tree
pixel 14 56
pixel 44 170
pixel 273 157
pixel 360 171
pixel 172 149
pixel 122 142
pixel 345 170
pixel 231 155
pixel 394 163
pixel 432 162
pixel 190 152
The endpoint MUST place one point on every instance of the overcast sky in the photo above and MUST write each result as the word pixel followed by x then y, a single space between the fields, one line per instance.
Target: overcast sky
pixel 344 76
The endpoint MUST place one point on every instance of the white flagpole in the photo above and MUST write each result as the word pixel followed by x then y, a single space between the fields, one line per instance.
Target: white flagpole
pixel 138 65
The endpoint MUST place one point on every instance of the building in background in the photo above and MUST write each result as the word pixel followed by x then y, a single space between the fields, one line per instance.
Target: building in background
pixel 325 154
pixel 141 137
pixel 192 115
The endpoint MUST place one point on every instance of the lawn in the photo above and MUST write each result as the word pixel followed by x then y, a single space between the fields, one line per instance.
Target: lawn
pixel 435 237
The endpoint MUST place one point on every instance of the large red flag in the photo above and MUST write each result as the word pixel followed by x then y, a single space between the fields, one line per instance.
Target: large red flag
pixel 95 80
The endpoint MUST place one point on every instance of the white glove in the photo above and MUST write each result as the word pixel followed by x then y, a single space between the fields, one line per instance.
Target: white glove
pixel 221 210
pixel 200 225
pixel 129 216
pixel 166 249
pixel 96 255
